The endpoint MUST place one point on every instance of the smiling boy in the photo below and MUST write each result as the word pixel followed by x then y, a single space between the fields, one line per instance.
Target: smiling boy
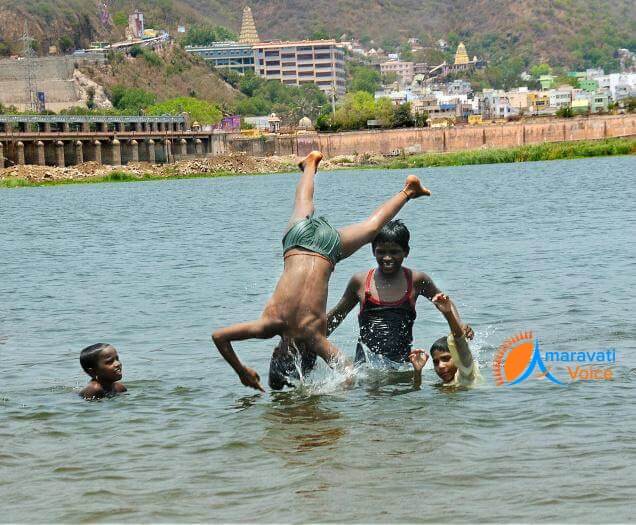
pixel 101 362
pixel 387 295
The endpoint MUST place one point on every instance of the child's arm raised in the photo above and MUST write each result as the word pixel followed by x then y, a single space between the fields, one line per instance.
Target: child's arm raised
pixel 427 288
pixel 347 302
pixel 445 305
pixel 418 359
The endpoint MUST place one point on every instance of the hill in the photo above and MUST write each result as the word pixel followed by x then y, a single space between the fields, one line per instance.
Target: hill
pixel 569 33
pixel 174 73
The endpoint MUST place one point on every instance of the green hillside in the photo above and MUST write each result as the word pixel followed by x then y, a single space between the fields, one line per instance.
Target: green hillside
pixel 569 33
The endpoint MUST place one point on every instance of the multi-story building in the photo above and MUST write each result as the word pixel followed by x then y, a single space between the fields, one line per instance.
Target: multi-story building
pixel 404 70
pixel 319 62
pixel 226 55
pixel 599 102
pixel 560 97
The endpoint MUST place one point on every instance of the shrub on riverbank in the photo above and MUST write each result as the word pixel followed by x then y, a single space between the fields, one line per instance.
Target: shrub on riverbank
pixel 537 152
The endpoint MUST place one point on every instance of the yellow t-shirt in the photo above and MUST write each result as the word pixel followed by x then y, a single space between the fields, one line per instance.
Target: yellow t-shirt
pixel 465 376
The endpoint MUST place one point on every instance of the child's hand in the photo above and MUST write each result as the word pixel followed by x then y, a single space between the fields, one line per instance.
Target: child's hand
pixel 418 358
pixel 442 302
pixel 251 379
pixel 468 331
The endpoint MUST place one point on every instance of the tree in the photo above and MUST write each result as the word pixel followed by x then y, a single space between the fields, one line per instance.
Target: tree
pixel 364 78
pixel 385 112
pixel 204 35
pixel 132 100
pixel 66 43
pixel 120 19
pixel 389 78
pixel 354 111
pixel 248 83
pixel 564 112
pixel 402 116
pixel 200 110
pixel 540 69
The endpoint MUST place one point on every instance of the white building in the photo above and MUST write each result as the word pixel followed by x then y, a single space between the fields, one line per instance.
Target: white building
pixel 619 85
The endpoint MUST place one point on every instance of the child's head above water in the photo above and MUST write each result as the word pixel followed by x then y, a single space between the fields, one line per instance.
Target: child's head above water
pixel 443 363
pixel 101 362
pixel 391 246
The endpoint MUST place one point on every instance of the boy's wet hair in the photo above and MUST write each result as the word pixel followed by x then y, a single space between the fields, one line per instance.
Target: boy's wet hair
pixel 90 355
pixel 441 345
pixel 393 231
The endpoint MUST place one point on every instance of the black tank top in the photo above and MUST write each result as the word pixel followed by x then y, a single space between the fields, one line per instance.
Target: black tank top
pixel 386 328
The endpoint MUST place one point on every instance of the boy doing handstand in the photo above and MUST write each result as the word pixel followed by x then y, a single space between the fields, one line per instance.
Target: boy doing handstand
pixel 311 247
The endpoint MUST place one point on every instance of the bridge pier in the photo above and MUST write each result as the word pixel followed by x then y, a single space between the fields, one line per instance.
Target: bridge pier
pixel 59 154
pixel 198 147
pixel 151 151
pixel 134 151
pixel 168 150
pixel 79 152
pixel 40 157
pixel 116 152
pixel 97 151
pixel 183 147
pixel 20 153
pixel 1 155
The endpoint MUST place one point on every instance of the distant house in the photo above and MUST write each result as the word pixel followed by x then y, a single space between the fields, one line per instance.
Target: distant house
pixel 404 70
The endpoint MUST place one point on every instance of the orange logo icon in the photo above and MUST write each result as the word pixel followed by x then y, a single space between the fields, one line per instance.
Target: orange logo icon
pixel 517 358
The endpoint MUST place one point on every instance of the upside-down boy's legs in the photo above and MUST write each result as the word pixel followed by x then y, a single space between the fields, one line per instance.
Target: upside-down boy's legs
pixel 304 200
pixel 353 237
pixel 260 329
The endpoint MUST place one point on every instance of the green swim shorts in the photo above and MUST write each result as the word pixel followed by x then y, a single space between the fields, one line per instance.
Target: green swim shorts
pixel 315 235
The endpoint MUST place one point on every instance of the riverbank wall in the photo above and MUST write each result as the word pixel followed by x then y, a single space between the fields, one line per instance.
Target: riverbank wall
pixel 440 140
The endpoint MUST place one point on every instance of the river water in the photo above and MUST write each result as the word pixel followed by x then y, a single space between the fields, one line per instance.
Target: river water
pixel 154 267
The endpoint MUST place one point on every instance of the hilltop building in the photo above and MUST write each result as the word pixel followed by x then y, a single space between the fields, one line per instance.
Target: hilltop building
pixel 461 64
pixel 135 30
pixel 319 62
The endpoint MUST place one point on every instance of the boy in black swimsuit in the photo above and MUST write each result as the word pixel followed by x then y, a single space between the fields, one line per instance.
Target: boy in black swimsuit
pixel 387 296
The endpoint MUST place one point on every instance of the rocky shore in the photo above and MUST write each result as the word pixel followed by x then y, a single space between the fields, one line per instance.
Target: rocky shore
pixel 235 164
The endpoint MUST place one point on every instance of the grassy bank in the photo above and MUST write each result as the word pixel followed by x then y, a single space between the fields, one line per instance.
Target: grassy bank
pixel 537 152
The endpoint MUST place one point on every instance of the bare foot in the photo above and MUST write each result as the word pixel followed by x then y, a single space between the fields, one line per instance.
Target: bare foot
pixel 311 160
pixel 413 188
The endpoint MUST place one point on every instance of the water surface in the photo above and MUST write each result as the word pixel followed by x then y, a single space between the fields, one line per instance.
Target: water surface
pixel 154 267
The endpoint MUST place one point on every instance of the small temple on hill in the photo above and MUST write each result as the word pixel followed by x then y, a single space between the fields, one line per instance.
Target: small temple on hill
pixel 461 64
pixel 248 33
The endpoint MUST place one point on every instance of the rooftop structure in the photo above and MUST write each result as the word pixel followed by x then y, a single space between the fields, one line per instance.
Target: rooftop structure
pixel 248 28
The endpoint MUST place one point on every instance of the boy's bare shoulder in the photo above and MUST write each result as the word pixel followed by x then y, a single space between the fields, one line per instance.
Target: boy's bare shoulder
pixel 92 391
pixel 119 388
pixel 424 283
